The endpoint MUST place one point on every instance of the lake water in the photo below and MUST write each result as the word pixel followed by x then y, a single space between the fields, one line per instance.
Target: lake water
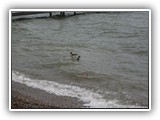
pixel 113 70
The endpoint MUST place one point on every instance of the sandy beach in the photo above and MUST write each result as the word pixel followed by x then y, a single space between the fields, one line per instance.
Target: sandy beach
pixel 23 97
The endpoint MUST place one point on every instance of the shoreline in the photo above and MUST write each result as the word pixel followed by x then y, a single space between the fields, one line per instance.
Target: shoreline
pixel 24 97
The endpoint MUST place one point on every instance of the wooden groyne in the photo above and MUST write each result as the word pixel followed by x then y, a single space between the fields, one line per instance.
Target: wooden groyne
pixel 32 13
pixel 26 13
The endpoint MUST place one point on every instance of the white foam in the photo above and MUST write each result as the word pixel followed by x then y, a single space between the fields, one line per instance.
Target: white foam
pixel 91 99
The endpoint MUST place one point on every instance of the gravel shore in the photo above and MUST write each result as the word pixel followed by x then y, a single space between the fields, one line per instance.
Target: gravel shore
pixel 24 97
pixel 20 101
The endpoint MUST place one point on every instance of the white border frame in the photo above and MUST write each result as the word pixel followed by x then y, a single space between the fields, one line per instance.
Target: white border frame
pixel 90 109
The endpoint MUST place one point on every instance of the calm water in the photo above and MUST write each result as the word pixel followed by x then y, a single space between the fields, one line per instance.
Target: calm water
pixel 112 71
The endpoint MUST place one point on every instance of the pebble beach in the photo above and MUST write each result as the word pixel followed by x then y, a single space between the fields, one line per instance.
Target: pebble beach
pixel 23 97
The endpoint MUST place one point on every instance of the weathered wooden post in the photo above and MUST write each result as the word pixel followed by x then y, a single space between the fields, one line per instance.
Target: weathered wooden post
pixel 62 13
pixel 50 14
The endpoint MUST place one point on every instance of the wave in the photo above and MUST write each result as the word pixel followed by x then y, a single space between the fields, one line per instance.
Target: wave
pixel 90 98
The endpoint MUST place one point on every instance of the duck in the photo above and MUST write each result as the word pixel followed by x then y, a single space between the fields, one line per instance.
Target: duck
pixel 72 54
pixel 78 58
pixel 75 56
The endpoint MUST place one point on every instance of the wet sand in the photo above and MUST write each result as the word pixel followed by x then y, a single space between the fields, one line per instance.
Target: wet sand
pixel 24 97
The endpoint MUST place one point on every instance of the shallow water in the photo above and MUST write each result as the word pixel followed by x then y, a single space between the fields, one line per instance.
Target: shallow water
pixel 113 68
